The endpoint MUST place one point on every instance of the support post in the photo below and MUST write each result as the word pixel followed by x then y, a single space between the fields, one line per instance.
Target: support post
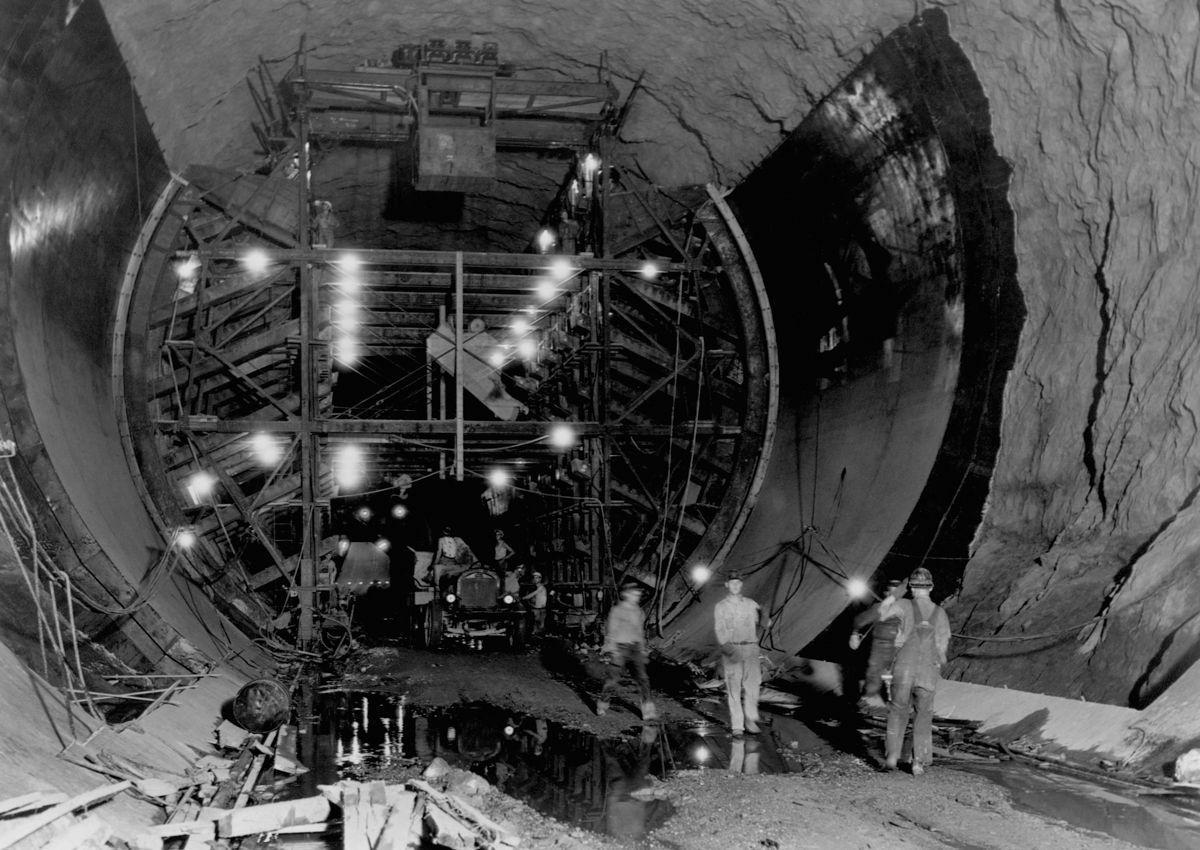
pixel 458 366
pixel 309 456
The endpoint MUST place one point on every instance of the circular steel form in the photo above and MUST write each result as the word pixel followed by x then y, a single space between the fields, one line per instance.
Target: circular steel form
pixel 680 402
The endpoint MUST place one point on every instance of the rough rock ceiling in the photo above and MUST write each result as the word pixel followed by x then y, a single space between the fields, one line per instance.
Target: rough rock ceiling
pixel 1095 105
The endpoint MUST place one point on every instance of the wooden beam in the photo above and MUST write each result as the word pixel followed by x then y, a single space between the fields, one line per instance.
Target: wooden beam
pixel 417 260
pixel 437 427
pixel 242 351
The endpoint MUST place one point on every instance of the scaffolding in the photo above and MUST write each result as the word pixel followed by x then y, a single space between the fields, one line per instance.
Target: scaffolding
pixel 462 361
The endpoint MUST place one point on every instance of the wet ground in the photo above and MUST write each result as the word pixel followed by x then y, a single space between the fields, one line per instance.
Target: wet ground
pixel 686 782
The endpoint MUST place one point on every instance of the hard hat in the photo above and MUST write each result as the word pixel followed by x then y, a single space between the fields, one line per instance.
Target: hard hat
pixel 920 578
pixel 732 575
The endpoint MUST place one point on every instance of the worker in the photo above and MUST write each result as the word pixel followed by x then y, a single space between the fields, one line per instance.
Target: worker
pixel 921 643
pixel 882 634
pixel 502 552
pixel 625 646
pixel 322 224
pixel 453 558
pixel 737 620
pixel 537 599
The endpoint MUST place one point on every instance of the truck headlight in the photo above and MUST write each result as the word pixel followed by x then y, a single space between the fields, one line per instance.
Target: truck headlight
pixel 508 599
pixel 450 598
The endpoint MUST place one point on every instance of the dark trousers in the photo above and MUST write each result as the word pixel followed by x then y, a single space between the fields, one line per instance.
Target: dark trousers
pixel 883 651
pixel 631 655
pixel 906 696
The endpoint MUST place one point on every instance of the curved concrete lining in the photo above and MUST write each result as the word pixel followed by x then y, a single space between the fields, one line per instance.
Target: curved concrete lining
pixel 85 170
pixel 885 243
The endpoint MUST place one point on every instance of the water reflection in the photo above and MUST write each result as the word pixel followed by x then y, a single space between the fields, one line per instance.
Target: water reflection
pixel 605 785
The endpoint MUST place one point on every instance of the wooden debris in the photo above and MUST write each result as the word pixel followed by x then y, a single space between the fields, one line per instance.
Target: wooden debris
pixel 402 828
pixel 30 802
pixel 270 817
pixel 16 830
pixel 489 831
pixel 231 736
pixel 448 831
pixel 89 833
pixel 364 809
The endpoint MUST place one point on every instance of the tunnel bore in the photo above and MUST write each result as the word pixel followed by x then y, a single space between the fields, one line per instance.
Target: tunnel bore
pixel 899 338
pixel 892 285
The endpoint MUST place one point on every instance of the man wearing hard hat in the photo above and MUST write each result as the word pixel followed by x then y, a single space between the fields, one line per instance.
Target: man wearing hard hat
pixel 921 644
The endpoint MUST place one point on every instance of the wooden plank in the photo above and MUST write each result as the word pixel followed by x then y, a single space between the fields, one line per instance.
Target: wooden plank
pixel 270 817
pixel 402 830
pixel 28 802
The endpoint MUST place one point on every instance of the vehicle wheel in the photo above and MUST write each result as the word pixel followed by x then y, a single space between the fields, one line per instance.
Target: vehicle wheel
pixel 434 625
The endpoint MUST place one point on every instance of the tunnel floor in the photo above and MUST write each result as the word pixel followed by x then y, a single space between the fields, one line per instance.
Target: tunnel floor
pixel 564 777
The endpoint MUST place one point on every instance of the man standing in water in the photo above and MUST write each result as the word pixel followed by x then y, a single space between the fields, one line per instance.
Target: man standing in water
pixel 921 644
pixel 736 621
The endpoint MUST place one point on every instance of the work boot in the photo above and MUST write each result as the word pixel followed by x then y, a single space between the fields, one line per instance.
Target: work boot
pixel 890 764
pixel 649 712
pixel 917 770
pixel 601 707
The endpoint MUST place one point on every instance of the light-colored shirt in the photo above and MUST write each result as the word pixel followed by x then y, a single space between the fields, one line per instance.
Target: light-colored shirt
pixel 905 610
pixel 626 624
pixel 736 620
pixel 538 595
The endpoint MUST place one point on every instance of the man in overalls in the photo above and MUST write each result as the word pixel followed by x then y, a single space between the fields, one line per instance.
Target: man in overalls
pixel 921 646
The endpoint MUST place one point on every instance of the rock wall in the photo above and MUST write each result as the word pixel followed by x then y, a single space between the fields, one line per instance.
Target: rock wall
pixel 1095 107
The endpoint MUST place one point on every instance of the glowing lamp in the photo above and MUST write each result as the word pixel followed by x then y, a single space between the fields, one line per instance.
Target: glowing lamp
pixel 256 261
pixel 383 544
pixel 499 478
pixel 363 514
pixel 399 511
pixel 649 270
pixel 186 538
pixel 546 290
pixel 496 358
pixel 527 348
pixel 267 449
pixel 561 269
pixel 857 589
pixel 545 240
pixel 200 486
pixel 701 573
pixel 562 436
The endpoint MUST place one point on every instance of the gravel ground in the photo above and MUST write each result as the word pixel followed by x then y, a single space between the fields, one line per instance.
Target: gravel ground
pixel 829 800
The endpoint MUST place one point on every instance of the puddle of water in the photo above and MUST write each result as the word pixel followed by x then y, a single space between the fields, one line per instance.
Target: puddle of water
pixel 1087 805
pixel 564 773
